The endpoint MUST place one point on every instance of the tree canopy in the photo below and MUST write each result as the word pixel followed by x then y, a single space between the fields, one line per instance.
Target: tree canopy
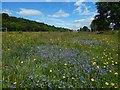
pixel 108 12
pixel 84 28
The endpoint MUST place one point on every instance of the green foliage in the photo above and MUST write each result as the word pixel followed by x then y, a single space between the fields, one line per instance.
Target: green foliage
pixel 85 28
pixel 20 24
pixel 108 12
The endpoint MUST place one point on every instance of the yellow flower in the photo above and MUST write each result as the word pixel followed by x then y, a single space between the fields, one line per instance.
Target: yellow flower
pixel 21 62
pixel 34 59
pixel 106 55
pixel 106 83
pixel 92 79
pixel 116 62
pixel 116 73
pixel 112 84
pixel 104 66
pixel 103 53
pixel 111 58
pixel 50 70
pixel 112 63
pixel 73 78
pixel 106 62
pixel 65 64
pixel 15 83
pixel 94 63
pixel 116 87
pixel 64 77
pixel 98 66
pixel 110 71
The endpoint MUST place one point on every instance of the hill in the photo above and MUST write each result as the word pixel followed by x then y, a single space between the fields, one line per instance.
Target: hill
pixel 20 24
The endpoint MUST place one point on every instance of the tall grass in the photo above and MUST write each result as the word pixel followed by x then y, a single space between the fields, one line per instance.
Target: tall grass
pixel 59 60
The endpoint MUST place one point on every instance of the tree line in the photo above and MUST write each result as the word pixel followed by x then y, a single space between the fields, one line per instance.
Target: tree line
pixel 21 24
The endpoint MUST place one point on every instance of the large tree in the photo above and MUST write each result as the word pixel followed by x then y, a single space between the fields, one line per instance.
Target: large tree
pixel 108 12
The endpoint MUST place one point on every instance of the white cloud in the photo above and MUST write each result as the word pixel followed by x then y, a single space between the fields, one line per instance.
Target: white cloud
pixel 71 25
pixel 37 20
pixel 78 9
pixel 82 9
pixel 67 0
pixel 87 12
pixel 79 2
pixel 7 11
pixel 29 12
pixel 58 14
pixel 79 6
pixel 85 21
pixel 48 0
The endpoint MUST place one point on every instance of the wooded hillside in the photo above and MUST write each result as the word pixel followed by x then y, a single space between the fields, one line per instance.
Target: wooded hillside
pixel 21 24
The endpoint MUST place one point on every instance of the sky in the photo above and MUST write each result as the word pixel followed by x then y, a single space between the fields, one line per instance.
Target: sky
pixel 72 15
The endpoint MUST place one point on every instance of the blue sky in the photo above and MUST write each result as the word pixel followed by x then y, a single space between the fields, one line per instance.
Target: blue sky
pixel 71 15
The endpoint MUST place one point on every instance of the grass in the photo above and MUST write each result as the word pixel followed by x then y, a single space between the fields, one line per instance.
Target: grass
pixel 59 60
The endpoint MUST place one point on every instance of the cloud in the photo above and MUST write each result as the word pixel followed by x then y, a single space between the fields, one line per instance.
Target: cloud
pixel 79 6
pixel 87 11
pixel 71 25
pixel 82 9
pixel 58 14
pixel 48 0
pixel 85 21
pixel 79 2
pixel 29 12
pixel 7 11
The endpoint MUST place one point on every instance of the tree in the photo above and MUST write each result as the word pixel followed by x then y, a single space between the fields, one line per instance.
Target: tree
pixel 85 28
pixel 108 12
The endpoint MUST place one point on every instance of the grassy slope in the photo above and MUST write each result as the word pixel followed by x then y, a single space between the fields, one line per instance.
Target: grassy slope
pixel 15 46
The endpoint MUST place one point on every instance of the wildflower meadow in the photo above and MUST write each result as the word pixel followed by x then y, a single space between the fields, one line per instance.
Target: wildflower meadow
pixel 60 60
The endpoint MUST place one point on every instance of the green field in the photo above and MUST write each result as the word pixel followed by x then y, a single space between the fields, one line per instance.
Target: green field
pixel 60 60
